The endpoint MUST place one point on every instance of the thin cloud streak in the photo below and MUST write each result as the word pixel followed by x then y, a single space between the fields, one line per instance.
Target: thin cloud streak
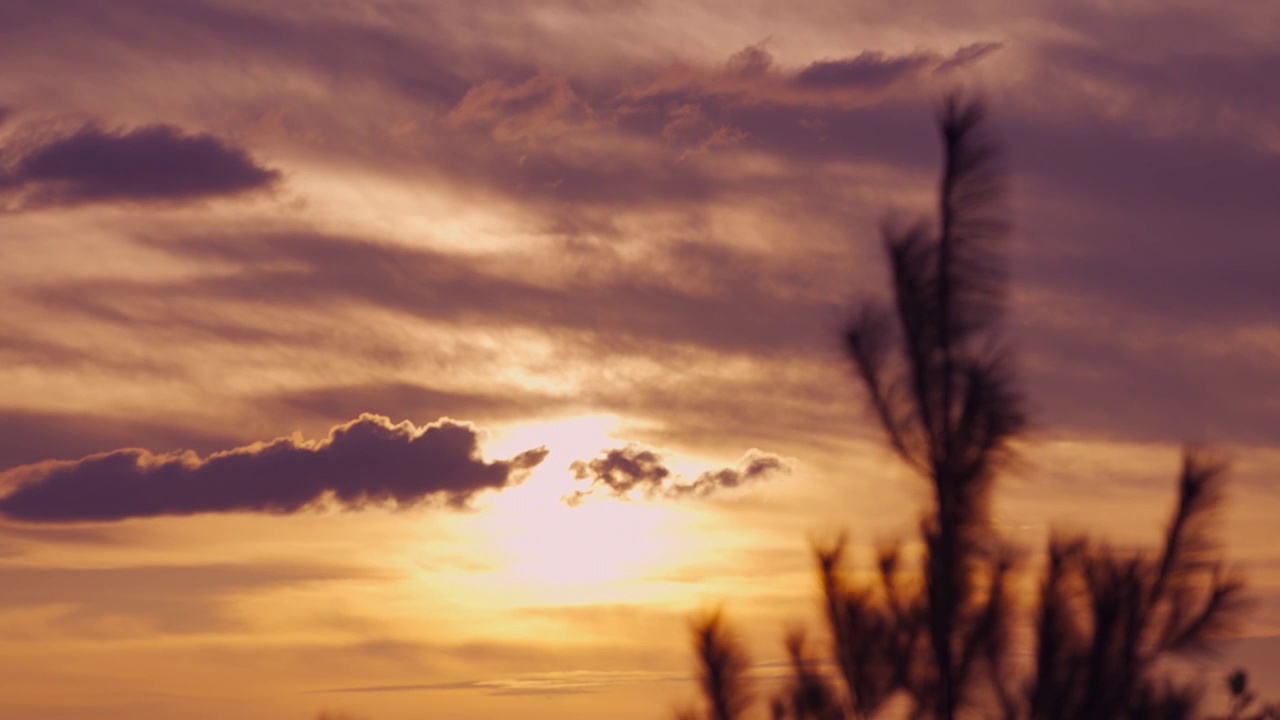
pixel 552 683
pixel 729 307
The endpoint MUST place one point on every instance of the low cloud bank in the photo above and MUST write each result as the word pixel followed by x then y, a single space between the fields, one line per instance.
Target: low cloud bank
pixel 368 461
pixel 150 164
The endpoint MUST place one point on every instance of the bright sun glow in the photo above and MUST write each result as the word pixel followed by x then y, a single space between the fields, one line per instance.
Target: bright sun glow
pixel 591 551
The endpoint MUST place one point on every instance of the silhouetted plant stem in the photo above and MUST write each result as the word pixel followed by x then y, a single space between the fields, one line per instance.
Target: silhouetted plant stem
pixel 722 666
pixel 962 410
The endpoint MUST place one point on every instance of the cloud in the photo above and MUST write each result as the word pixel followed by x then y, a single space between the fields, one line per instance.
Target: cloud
pixel 628 141
pixel 867 69
pixel 548 683
pixel 750 78
pixel 149 164
pixel 621 472
pixel 413 50
pixel 615 132
pixel 713 297
pixel 624 469
pixel 366 461
pixel 543 103
pixel 755 465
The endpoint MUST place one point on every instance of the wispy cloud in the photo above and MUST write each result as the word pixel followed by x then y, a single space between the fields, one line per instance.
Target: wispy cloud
pixel 89 602
pixel 550 683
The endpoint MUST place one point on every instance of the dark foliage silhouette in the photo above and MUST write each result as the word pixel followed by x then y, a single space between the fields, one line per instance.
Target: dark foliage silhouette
pixel 722 667
pixel 1107 617
pixel 938 379
pixel 1242 701
pixel 939 636
pixel 808 696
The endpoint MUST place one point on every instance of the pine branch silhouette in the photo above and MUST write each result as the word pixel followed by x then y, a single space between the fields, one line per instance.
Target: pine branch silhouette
pixel 938 380
pixel 1107 618
pixel 722 668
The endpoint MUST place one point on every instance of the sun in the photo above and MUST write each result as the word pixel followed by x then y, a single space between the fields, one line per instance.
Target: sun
pixel 594 550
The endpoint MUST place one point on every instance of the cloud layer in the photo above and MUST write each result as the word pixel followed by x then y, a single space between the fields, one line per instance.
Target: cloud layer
pixel 625 471
pixel 369 460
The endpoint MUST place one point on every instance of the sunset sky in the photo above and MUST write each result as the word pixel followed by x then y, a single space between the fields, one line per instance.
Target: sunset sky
pixel 440 358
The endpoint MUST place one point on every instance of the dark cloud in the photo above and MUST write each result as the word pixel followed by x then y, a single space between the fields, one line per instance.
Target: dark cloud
pixel 967 55
pixel 366 461
pixel 754 465
pixel 751 77
pixel 150 164
pixel 620 472
pixel 751 61
pixel 869 69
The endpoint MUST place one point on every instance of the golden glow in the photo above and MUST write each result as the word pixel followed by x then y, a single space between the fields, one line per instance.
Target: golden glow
pixel 598 550
pixel 591 550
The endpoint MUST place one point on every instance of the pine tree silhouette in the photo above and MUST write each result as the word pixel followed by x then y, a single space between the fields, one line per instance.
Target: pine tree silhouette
pixel 938 380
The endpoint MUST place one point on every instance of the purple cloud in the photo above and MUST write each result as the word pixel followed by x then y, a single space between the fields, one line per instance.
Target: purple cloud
pixel 868 69
pixel 516 111
pixel 750 78
pixel 149 164
pixel 367 461
pixel 620 471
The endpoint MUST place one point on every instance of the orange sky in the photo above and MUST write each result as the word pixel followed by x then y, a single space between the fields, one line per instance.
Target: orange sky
pixel 317 316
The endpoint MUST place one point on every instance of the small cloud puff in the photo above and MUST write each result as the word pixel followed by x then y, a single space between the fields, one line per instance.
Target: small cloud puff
pixel 620 472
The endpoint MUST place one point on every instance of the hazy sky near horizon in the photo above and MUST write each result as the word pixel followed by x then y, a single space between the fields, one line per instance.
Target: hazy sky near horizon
pixel 442 357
